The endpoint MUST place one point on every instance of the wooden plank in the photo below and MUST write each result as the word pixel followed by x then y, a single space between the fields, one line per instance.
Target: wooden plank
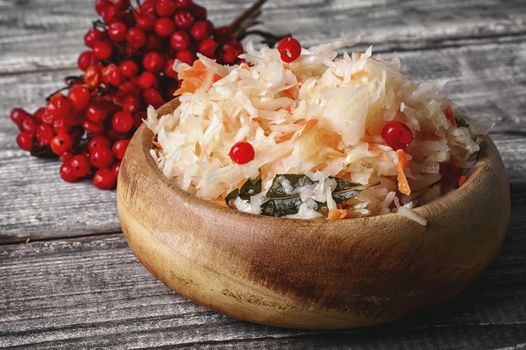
pixel 91 292
pixel 30 29
pixel 36 204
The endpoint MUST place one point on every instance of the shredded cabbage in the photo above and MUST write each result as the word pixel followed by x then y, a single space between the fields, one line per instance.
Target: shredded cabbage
pixel 321 116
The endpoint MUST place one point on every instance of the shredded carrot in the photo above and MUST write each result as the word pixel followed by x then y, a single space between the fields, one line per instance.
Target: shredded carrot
pixel 344 174
pixel 329 138
pixel 462 180
pixel 403 185
pixel 308 127
pixel 448 112
pixel 284 137
pixel 291 92
pixel 337 214
pixel 194 77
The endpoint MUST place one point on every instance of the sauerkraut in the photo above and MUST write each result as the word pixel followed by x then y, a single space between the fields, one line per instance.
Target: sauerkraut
pixel 316 127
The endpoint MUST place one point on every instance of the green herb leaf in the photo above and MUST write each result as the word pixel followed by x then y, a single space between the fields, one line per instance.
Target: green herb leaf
pixel 283 196
pixel 281 206
pixel 285 185
pixel 248 189
pixel 345 190
pixel 231 197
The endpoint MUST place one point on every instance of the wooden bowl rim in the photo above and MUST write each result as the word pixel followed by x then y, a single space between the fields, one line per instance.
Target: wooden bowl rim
pixel 488 154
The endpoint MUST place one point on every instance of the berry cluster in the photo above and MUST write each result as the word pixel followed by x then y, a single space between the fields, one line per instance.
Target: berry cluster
pixel 128 66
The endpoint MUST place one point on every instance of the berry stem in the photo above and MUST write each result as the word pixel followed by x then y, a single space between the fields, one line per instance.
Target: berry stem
pixel 246 19
pixel 56 91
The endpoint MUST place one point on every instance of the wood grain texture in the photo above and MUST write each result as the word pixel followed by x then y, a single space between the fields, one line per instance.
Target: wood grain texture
pixel 388 24
pixel 486 76
pixel 487 79
pixel 91 292
pixel 310 274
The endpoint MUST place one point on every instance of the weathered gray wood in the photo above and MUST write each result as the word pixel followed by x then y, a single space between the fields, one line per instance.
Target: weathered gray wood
pixel 29 30
pixel 34 203
pixel 91 292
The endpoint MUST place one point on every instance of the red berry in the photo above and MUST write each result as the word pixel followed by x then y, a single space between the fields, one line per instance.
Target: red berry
pixel 60 126
pixel 201 30
pixel 199 12
pixel 117 31
pixel 18 115
pixel 208 47
pixel 180 40
pixel 184 19
pixel 43 116
pixel 86 59
pixel 242 153
pixel 121 5
pixel 153 97
pixel 119 148
pixel 169 70
pixel 78 97
pixel 148 6
pixel 44 134
pixel 185 56
pixel 102 50
pixel 81 165
pixel 164 27
pixel 92 76
pixel 100 6
pixel 136 37
pixel 98 141
pixel 146 22
pixel 104 179
pixel 116 168
pixel 65 156
pixel 110 14
pixel 67 172
pixel 222 33
pixel 229 53
pixel 101 158
pixel 131 104
pixel 96 113
pixel 61 143
pixel 165 8
pixel 147 80
pixel 58 107
pixel 92 36
pixel 122 122
pixel 153 62
pixel 111 75
pixel 93 127
pixel 29 125
pixel 25 140
pixel 154 43
pixel 397 135
pixel 128 88
pixel 289 49
pixel 183 4
pixel 129 68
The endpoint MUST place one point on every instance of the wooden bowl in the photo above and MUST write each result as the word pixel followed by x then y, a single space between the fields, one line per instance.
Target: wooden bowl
pixel 311 274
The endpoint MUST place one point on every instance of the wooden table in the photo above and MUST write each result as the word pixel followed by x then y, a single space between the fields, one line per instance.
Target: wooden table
pixel 67 278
